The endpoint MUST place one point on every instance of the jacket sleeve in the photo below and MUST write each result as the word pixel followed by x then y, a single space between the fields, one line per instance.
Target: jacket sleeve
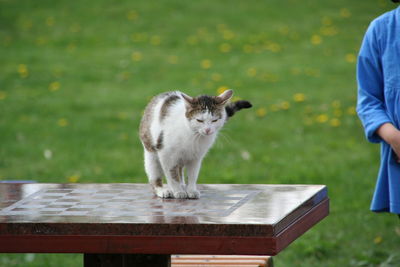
pixel 371 102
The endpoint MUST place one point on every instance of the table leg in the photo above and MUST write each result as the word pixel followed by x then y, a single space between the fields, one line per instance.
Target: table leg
pixel 125 260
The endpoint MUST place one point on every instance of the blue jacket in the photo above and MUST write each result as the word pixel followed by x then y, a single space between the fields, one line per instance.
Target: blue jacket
pixel 378 77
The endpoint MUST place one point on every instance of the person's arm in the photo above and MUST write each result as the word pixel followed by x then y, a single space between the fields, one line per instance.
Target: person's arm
pixel 371 101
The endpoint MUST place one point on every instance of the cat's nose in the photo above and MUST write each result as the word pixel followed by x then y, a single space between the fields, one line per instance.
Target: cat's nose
pixel 207 130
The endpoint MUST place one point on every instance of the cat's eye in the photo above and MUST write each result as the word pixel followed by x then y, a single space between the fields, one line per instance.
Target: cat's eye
pixel 200 120
pixel 215 120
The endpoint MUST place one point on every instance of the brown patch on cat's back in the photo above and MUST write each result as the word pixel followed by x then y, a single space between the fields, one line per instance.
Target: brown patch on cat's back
pixel 168 102
pixel 144 128
pixel 202 104
pixel 160 139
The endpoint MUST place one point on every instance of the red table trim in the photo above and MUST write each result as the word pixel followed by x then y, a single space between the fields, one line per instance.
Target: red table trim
pixel 219 245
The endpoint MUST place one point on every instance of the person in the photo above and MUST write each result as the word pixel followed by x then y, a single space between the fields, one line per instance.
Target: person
pixel 378 104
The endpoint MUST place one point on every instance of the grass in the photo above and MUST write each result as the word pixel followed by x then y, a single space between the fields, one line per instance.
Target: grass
pixel 76 77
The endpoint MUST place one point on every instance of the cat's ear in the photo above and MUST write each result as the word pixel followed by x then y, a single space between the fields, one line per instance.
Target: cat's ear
pixel 188 99
pixel 225 97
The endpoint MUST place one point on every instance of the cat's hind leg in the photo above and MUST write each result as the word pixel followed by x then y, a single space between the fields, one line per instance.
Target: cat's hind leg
pixel 154 173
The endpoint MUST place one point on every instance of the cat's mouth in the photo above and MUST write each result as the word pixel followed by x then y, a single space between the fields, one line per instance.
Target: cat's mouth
pixel 206 133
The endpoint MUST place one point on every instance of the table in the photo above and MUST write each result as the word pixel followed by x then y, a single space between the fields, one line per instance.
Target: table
pixel 125 224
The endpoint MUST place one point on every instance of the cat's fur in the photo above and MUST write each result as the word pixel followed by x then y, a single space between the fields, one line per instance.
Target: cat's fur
pixel 177 131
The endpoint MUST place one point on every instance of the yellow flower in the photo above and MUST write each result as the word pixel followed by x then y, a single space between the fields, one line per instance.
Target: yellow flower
pixel 74 178
pixel 326 21
pixel 295 71
pixel 172 59
pixel 274 108
pixel 27 25
pixel 299 97
pixel 252 72
pixel 308 121
pixel 378 239
pixel 54 86
pixel 285 105
pixel 284 30
pixel 132 15
pixel 23 70
pixel 123 76
pixel 350 58
pixel 209 84
pixel 221 27
pixel 75 28
pixel 41 41
pixel 248 48
pixel 312 72
pixel 62 122
pixel 337 113
pixel 328 31
pixel 322 118
pixel 136 56
pixel 123 136
pixel 3 95
pixel 308 109
pixel 225 48
pixel 345 13
pixel 139 37
pixel 192 40
pixel 155 40
pixel 222 89
pixel 71 47
pixel 336 104
pixel 7 40
pixel 216 77
pixel 50 21
pixel 335 122
pixel 228 35
pixel 351 111
pixel 316 39
pixel 206 63
pixel 261 112
pixel 122 115
pixel 273 47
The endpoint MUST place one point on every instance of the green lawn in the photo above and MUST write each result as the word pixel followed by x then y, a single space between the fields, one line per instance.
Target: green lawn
pixel 75 77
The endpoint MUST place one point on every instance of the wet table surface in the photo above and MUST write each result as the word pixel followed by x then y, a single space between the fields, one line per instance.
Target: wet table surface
pixel 129 219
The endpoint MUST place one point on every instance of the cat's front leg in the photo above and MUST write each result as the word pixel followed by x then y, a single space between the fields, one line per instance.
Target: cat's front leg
pixel 175 180
pixel 173 173
pixel 193 169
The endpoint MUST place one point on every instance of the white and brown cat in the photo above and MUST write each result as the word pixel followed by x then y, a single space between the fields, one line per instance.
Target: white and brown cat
pixel 177 131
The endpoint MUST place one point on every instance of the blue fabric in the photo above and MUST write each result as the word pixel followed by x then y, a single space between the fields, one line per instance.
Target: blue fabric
pixel 378 77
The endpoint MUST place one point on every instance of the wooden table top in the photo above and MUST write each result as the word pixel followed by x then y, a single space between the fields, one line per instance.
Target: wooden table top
pixel 128 218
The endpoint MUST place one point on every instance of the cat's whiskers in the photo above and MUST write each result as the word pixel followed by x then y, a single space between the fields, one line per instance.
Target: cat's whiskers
pixel 225 136
pixel 195 143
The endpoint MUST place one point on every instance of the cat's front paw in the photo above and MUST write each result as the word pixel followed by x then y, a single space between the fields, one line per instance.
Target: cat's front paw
pixel 164 193
pixel 193 194
pixel 180 194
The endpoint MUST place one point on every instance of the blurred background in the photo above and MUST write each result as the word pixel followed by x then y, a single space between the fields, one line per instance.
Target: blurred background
pixel 76 75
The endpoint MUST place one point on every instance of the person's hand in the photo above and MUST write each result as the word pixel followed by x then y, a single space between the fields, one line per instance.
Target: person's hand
pixel 391 135
pixel 395 144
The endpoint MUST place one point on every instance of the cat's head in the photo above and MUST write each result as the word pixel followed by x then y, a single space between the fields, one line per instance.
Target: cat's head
pixel 206 114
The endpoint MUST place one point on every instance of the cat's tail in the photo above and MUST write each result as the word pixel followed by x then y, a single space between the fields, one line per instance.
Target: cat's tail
pixel 234 107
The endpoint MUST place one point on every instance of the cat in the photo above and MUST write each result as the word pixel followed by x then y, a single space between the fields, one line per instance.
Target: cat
pixel 177 131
